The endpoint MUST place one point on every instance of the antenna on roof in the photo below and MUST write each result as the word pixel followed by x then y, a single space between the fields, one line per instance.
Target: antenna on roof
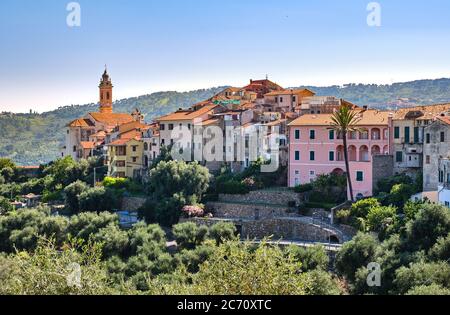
pixel 267 77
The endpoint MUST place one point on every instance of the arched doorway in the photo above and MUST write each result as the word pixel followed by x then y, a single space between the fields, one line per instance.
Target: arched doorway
pixel 338 171
pixel 352 153
pixel 376 150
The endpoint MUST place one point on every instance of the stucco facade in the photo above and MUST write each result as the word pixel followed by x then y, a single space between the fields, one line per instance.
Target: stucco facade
pixel 316 149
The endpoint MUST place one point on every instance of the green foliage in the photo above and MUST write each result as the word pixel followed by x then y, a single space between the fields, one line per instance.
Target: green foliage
pixel 72 195
pixel 233 268
pixel 422 274
pixel 432 289
pixel 188 235
pixel 361 208
pixel 441 250
pixel 304 188
pixel 312 258
pixel 87 223
pixel 46 271
pixel 380 218
pixel 5 205
pixel 98 199
pixel 233 187
pixel 222 231
pixel 179 177
pixel 357 253
pixel 430 224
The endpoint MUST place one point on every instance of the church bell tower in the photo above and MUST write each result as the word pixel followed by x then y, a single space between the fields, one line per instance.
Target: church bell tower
pixel 106 93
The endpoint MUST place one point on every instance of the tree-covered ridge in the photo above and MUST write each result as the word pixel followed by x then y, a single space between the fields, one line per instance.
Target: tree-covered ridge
pixel 33 139
pixel 420 92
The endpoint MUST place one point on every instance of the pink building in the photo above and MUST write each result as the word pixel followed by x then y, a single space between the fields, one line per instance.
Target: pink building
pixel 316 149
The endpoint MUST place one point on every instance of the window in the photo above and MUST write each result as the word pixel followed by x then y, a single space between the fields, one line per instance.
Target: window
pixel 145 146
pixel 312 155
pixel 293 98
pixel 428 159
pixel 74 148
pixel 428 138
pixel 281 100
pixel 416 134
pixel 170 126
pixel 162 127
pixel 120 163
pixel 399 156
pixel 359 176
pixel 134 159
pixel 163 142
pixel 312 134
pixel 189 126
pixel 442 136
pixel 331 134
pixel 407 139
pixel 297 172
pixel 397 132
pixel 134 148
pixel 297 134
pixel 441 176
pixel 297 155
pixel 331 155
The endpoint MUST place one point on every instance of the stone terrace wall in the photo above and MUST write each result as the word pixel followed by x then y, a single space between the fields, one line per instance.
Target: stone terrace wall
pixel 246 211
pixel 281 197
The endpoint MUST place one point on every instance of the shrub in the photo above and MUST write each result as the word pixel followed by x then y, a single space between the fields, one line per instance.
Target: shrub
pixel 98 199
pixel 357 253
pixel 432 289
pixel 362 207
pixel 303 188
pixel 234 187
pixel 312 258
pixel 5 205
pixel 441 250
pixel 380 217
pixel 222 231
pixel 343 216
pixel 188 235
pixel 72 194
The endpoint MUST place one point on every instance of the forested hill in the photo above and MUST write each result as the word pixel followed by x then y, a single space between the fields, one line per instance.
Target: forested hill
pixel 391 95
pixel 32 139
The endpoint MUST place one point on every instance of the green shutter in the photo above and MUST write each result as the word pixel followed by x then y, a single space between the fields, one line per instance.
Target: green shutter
pixel 297 155
pixel 331 155
pixel 359 176
pixel 331 134
pixel 397 132
pixel 312 155
pixel 416 134
pixel 399 156
pixel 407 138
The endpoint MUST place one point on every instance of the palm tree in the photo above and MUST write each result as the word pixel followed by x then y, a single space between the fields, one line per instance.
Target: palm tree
pixel 344 120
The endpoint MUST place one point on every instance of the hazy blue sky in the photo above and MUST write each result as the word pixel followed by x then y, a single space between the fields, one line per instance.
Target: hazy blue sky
pixel 152 45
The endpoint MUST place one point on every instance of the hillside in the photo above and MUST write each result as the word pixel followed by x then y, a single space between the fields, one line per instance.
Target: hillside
pixel 34 138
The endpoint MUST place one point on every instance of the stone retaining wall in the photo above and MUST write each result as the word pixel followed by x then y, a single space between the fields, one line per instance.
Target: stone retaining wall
pixel 246 211
pixel 281 197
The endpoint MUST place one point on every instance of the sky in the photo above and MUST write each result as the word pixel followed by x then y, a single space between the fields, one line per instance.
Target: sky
pixel 159 45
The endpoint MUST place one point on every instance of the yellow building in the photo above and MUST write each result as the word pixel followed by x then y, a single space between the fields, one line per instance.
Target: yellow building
pixel 125 158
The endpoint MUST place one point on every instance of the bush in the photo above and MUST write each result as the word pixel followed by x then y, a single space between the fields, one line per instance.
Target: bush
pixel 5 206
pixel 441 250
pixel 343 216
pixel 193 211
pixel 98 199
pixel 420 274
pixel 303 188
pixel 311 258
pixel 188 235
pixel 432 289
pixel 233 187
pixel 431 223
pixel 72 194
pixel 222 231
pixel 380 218
pixel 361 208
pixel 357 253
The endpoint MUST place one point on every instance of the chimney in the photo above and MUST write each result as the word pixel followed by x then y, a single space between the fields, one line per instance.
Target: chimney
pixel 251 81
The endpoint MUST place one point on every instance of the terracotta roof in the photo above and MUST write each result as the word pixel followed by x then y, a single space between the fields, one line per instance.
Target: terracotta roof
pixel 188 114
pixel 87 145
pixel 209 122
pixel 112 118
pixel 31 167
pixel 304 92
pixel 421 112
pixel 99 134
pixel 275 122
pixel 130 134
pixel 445 119
pixel 120 142
pixel 80 123
pixel 369 117
pixel 132 125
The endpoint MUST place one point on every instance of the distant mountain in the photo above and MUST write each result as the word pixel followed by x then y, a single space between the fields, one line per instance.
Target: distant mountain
pixel 35 138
